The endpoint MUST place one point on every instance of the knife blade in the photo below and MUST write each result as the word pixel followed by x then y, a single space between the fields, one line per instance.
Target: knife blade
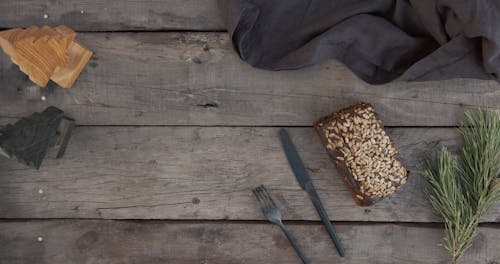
pixel 306 184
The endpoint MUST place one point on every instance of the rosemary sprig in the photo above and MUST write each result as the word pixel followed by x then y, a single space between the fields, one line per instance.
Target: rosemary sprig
pixel 463 188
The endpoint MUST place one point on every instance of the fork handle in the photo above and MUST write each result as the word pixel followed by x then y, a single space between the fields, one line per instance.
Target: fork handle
pixel 294 243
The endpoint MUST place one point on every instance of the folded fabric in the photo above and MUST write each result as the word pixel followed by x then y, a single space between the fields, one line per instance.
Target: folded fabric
pixel 379 40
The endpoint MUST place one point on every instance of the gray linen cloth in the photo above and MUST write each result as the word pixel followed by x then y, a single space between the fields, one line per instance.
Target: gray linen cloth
pixel 379 40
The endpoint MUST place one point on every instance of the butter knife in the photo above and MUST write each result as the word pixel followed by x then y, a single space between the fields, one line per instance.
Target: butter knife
pixel 306 184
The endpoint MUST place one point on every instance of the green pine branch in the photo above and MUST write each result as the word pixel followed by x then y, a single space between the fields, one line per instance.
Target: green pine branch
pixel 463 188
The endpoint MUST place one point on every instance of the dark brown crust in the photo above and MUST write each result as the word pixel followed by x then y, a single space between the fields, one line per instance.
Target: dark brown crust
pixel 354 187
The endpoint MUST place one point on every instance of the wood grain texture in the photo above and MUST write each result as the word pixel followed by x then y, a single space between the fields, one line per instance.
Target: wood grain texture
pixel 113 15
pixel 203 173
pixel 45 53
pixel 197 79
pixel 128 242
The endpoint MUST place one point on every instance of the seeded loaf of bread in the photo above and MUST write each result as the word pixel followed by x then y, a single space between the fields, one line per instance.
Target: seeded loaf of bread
pixel 363 153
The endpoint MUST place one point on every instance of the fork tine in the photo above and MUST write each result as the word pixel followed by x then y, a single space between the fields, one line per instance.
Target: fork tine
pixel 261 201
pixel 257 196
pixel 264 201
pixel 265 198
pixel 268 196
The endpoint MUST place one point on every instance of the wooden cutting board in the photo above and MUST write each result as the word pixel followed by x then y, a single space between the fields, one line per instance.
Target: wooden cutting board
pixel 45 53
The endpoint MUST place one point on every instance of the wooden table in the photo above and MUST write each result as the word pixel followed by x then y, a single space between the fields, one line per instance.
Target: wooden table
pixel 174 131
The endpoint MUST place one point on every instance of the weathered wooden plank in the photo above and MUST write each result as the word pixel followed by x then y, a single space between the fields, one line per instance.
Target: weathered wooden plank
pixel 196 79
pixel 202 173
pixel 113 15
pixel 222 242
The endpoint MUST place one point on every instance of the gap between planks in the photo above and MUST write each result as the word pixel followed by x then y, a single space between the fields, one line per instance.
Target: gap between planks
pixel 245 222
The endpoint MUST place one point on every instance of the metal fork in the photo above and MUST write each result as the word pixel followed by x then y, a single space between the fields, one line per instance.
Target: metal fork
pixel 273 214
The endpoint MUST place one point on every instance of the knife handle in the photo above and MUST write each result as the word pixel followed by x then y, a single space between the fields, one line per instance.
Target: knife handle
pixel 326 221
